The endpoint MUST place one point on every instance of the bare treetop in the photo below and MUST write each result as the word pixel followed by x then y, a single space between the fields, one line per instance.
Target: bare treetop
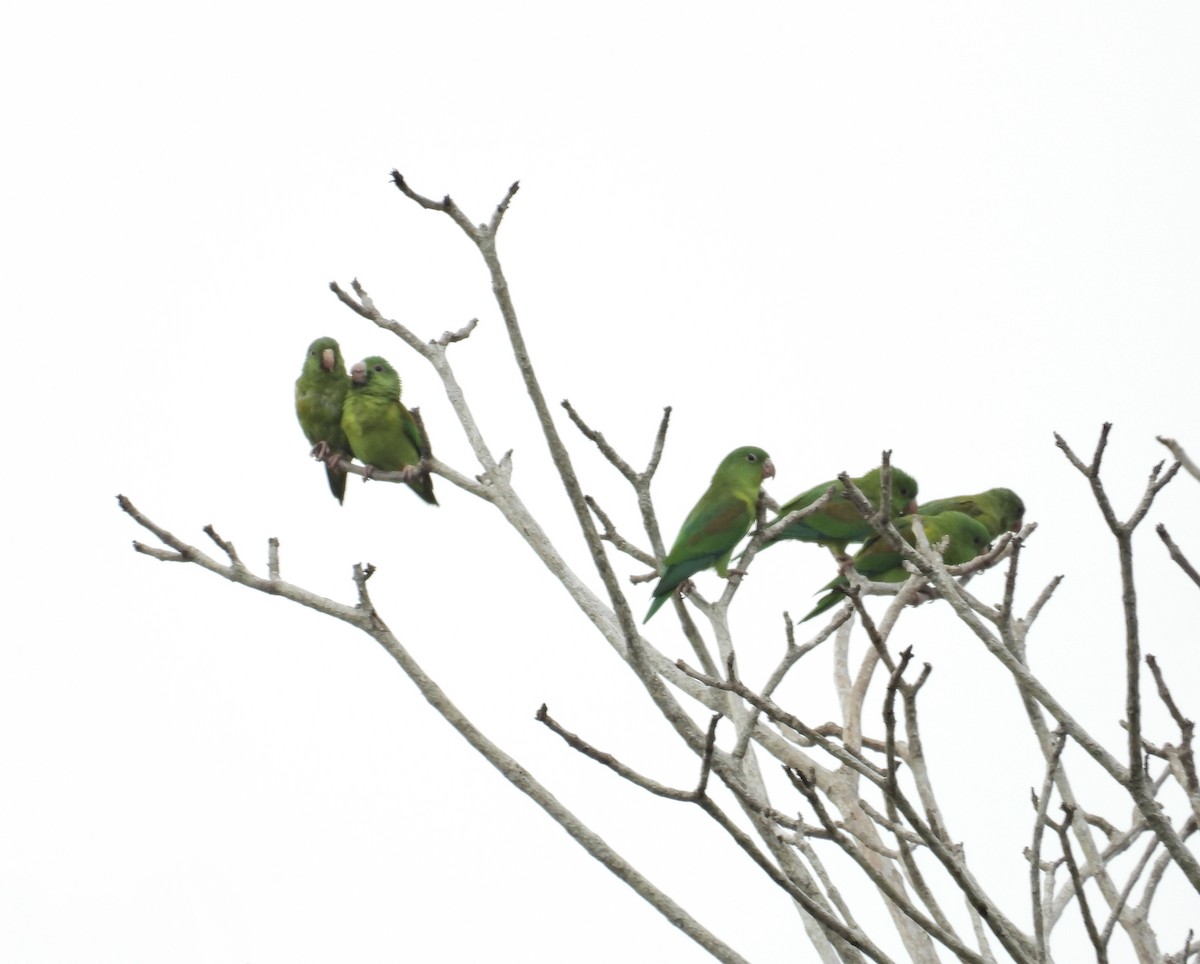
pixel 857 804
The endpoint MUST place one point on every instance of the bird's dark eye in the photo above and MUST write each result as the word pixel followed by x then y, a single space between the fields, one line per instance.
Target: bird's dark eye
pixel 378 368
pixel 752 457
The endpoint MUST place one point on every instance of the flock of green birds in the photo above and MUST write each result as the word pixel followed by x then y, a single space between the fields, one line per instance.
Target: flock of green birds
pixel 360 414
pixel 727 509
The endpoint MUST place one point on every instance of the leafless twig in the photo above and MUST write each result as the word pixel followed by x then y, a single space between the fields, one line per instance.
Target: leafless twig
pixel 1181 456
pixel 1069 854
pixel 1177 554
pixel 1123 532
pixel 364 617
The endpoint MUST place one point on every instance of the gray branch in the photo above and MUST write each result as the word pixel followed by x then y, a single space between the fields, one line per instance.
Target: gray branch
pixel 365 617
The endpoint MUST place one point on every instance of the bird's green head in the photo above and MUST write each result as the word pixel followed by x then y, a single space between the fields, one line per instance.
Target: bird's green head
pixel 374 376
pixel 1011 509
pixel 748 463
pixel 968 536
pixel 324 356
pixel 904 490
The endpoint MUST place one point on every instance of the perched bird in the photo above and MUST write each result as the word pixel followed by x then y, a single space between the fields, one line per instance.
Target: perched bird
pixel 879 561
pixel 320 391
pixel 999 510
pixel 838 523
pixel 381 431
pixel 717 523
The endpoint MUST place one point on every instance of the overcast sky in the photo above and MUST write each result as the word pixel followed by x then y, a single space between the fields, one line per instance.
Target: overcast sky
pixel 824 230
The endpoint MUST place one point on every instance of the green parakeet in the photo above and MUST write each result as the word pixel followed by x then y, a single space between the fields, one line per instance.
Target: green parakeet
pixel 717 523
pixel 381 431
pixel 320 391
pixel 879 561
pixel 999 510
pixel 838 523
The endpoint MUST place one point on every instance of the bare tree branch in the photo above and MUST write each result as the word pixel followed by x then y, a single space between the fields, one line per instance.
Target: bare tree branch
pixel 1180 455
pixel 1115 914
pixel 1177 554
pixel 610 534
pixel 364 617
pixel 1073 868
pixel 602 444
pixel 791 656
pixel 628 773
pixel 927 924
pixel 1042 803
pixel 1136 781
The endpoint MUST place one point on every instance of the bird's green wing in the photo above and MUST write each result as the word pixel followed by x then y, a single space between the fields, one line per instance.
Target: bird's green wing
pixel 716 523
pixel 838 522
pixel 707 538
pixel 423 485
pixel 998 510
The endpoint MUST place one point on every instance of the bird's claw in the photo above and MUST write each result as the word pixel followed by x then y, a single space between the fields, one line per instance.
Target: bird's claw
pixel 368 472
pixel 320 450
pixel 685 587
pixel 735 575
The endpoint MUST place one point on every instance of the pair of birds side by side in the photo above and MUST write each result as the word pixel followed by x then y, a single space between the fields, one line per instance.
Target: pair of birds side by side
pixel 727 509
pixel 969 522
pixel 879 561
pixel 358 415
pixel 998 510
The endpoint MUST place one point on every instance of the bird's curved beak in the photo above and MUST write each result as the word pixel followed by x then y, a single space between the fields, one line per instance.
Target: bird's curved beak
pixel 358 373
pixel 327 359
pixel 911 508
pixel 768 469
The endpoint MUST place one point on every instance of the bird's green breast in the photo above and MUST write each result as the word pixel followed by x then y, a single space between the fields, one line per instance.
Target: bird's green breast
pixel 319 410
pixel 375 429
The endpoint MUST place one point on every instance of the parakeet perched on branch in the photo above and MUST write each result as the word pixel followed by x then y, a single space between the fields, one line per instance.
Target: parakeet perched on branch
pixel 837 523
pixel 880 561
pixel 383 433
pixel 999 510
pixel 320 391
pixel 717 523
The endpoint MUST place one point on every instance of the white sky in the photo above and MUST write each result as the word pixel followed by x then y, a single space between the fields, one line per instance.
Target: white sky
pixel 934 229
